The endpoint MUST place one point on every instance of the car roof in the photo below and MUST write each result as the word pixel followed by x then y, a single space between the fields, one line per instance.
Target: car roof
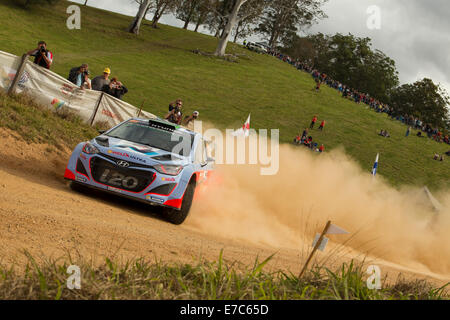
pixel 166 123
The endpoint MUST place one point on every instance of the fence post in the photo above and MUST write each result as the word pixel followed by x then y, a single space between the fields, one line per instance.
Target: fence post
pixel 96 109
pixel 140 110
pixel 18 74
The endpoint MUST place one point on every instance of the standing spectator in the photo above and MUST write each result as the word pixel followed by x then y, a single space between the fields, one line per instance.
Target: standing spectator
pixel 313 122
pixel 42 56
pixel 176 104
pixel 408 131
pixel 99 81
pixel 322 125
pixel 174 116
pixel 77 75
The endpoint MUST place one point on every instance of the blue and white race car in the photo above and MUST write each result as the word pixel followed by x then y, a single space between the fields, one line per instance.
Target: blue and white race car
pixel 153 161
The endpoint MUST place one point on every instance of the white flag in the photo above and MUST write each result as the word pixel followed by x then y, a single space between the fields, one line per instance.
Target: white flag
pixel 245 130
pixel 333 229
pixel 323 244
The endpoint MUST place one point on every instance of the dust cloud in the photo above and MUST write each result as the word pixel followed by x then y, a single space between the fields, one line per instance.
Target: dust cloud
pixel 286 210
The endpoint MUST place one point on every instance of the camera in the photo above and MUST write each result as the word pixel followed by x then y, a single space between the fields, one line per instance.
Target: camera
pixel 42 49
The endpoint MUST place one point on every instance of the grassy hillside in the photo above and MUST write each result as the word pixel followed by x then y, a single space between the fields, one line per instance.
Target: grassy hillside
pixel 158 65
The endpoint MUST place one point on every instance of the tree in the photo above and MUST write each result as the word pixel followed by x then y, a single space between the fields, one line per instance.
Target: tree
pixel 226 16
pixel 232 19
pixel 248 16
pixel 202 13
pixel 425 100
pixel 282 19
pixel 352 61
pixel 187 11
pixel 161 7
pixel 137 20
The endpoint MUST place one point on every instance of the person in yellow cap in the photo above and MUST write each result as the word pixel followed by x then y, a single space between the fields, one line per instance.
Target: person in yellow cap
pixel 99 81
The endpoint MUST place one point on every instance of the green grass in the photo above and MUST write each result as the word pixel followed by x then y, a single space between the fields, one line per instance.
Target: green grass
pixel 158 65
pixel 37 124
pixel 217 280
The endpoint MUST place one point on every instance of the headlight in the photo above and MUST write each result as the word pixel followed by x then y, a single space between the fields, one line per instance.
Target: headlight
pixel 168 169
pixel 89 148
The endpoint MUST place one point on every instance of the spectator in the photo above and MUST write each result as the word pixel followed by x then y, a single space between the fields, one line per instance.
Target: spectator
pixel 322 148
pixel 175 112
pixel 322 125
pixel 99 81
pixel 87 82
pixel 189 120
pixel 115 88
pixel 436 156
pixel 176 104
pixel 42 56
pixel 77 75
pixel 305 134
pixel 408 131
pixel 318 84
pixel 313 122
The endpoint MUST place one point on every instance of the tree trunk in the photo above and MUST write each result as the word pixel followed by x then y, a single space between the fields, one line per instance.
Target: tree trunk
pixel 158 16
pixel 232 20
pixel 136 23
pixel 237 31
pixel 197 25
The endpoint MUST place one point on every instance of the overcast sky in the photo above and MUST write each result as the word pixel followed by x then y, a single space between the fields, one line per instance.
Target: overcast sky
pixel 415 33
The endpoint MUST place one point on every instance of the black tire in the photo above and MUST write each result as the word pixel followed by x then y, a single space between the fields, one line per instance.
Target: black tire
pixel 177 217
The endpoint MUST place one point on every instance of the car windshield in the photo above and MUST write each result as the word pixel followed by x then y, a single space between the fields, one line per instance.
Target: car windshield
pixel 161 137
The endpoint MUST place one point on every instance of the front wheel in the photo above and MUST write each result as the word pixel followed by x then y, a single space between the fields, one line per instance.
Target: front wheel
pixel 178 216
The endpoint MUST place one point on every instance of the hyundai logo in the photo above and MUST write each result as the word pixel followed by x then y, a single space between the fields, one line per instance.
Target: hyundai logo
pixel 123 164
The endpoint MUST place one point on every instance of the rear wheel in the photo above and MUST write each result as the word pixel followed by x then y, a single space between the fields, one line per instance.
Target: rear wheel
pixel 178 216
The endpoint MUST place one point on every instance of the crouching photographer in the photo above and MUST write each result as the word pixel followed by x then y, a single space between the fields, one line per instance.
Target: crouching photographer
pixel 42 56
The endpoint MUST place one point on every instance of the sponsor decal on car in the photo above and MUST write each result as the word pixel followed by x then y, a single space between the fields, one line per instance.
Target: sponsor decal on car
pixel 168 179
pixel 117 153
pixel 80 179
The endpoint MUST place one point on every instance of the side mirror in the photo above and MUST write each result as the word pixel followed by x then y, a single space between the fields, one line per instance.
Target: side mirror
pixel 101 131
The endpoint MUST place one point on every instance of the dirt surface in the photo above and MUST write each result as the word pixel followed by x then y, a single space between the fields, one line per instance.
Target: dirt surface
pixel 41 214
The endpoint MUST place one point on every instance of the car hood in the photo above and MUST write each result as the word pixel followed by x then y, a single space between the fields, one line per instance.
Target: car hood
pixel 136 152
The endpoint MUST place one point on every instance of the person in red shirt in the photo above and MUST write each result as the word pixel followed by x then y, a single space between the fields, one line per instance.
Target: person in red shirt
pixel 322 125
pixel 313 122
pixel 322 148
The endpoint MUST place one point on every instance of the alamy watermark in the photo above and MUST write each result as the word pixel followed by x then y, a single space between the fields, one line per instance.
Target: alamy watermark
pixel 374 280
pixel 374 19
pixel 74 20
pixel 74 280
pixel 234 147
